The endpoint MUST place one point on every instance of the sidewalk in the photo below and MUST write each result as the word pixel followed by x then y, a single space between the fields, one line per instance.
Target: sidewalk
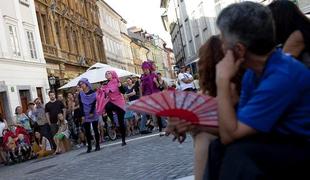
pixel 187 178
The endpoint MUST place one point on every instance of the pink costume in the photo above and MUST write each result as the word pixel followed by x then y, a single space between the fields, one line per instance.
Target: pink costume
pixel 110 93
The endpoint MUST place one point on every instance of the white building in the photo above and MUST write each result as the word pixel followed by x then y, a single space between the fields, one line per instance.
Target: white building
pixel 190 23
pixel 23 74
pixel 114 29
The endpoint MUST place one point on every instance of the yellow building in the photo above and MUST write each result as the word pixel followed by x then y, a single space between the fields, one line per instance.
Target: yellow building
pixel 139 55
pixel 71 36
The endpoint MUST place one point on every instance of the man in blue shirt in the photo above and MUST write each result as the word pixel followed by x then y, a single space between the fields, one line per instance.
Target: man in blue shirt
pixel 269 136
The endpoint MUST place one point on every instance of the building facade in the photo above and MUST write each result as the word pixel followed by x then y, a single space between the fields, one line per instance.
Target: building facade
pixel 304 5
pixel 155 47
pixel 190 23
pixel 127 52
pixel 71 36
pixel 117 44
pixel 139 52
pixel 23 74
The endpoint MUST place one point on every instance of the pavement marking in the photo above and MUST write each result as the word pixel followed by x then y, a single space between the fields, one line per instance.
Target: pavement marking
pixel 129 140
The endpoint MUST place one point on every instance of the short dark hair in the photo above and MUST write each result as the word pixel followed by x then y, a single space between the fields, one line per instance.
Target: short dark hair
pixel 248 23
pixel 50 92
pixel 159 73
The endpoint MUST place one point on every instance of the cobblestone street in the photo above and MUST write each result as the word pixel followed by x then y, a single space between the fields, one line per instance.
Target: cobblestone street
pixel 150 157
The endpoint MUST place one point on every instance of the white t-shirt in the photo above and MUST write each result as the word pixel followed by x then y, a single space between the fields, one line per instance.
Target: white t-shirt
pixel 47 144
pixel 184 85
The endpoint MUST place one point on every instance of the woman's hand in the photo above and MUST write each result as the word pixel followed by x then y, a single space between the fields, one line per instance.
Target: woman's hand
pixel 178 129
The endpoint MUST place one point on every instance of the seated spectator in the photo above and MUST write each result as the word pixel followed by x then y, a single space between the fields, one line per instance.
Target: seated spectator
pixel 62 135
pixel 210 54
pixel 22 119
pixel 268 138
pixel 42 146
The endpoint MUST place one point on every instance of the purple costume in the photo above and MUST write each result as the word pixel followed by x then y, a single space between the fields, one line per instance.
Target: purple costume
pixel 147 80
pixel 88 102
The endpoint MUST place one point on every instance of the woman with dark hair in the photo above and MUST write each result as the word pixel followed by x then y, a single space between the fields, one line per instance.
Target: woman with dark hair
pixel 292 29
pixel 87 101
pixel 42 146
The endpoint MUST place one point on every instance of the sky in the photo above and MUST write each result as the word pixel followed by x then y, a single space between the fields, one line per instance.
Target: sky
pixel 142 13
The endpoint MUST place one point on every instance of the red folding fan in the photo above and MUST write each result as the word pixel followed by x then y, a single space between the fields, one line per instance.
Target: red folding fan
pixel 192 107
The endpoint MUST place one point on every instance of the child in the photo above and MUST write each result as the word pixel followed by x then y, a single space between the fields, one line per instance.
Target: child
pixel 62 134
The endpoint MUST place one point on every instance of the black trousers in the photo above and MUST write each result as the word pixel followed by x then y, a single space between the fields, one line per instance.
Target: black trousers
pixel 159 123
pixel 87 128
pixel 110 108
pixel 259 157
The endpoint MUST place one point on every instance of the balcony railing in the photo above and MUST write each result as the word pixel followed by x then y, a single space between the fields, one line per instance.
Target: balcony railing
pixel 50 50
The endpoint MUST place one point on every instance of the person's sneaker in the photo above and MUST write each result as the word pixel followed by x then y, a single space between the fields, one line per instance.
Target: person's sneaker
pixel 124 144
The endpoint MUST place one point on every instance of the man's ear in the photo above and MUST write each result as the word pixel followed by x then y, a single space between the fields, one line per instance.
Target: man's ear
pixel 239 51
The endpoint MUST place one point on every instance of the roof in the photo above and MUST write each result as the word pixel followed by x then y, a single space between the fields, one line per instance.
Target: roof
pixel 114 11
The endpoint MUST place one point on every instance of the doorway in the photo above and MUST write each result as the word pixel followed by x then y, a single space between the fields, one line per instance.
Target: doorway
pixel 39 94
pixel 24 99
pixel 4 105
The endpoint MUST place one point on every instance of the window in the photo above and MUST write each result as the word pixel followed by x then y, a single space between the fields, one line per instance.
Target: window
pixel 57 28
pixel 24 2
pixel 14 40
pixel 31 44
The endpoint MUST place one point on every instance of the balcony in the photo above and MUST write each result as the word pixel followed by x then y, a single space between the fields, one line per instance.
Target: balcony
pixel 50 50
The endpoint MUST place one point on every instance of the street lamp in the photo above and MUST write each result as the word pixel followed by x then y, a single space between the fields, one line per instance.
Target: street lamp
pixel 52 81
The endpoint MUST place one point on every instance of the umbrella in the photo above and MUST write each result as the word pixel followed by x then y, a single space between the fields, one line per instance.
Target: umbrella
pixel 96 73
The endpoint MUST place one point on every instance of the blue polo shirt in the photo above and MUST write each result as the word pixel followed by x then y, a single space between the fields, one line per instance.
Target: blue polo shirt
pixel 279 99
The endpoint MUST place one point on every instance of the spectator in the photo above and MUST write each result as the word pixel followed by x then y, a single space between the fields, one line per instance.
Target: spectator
pixel 70 116
pixel 185 80
pixel 162 85
pixel 61 98
pixel 43 121
pixel 42 146
pixel 22 119
pixel 32 117
pixel 52 109
pixel 130 91
pixel 62 135
pixel 136 82
pixel 292 29
pixel 273 111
